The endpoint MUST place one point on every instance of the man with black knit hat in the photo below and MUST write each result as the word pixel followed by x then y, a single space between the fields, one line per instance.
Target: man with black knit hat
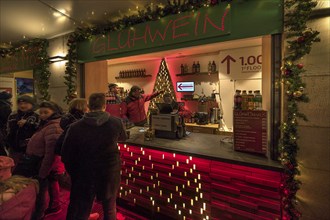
pixel 133 107
pixel 22 125
pixel 5 110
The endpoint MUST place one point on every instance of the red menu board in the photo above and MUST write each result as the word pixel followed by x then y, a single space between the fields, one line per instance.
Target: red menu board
pixel 250 131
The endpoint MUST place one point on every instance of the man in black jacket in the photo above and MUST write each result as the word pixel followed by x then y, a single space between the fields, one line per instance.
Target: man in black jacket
pixel 91 157
pixel 22 125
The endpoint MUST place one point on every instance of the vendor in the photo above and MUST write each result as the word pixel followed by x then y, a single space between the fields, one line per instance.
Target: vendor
pixel 112 96
pixel 133 106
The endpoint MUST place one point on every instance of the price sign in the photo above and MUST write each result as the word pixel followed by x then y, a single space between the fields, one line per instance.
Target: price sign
pixel 185 86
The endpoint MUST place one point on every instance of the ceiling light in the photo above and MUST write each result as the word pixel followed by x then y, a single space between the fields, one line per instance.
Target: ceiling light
pixel 55 59
pixel 59 13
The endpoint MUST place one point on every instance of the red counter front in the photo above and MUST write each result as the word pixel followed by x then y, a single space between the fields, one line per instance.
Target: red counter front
pixel 184 187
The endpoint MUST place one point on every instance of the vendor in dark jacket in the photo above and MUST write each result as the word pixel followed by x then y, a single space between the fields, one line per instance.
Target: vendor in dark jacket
pixel 5 110
pixel 91 157
pixel 133 107
pixel 77 109
pixel 22 125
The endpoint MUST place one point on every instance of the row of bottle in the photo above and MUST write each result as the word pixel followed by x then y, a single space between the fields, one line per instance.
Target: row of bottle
pixel 132 73
pixel 196 68
pixel 247 101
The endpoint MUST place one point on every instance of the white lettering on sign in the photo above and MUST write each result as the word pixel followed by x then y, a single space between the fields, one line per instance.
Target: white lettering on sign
pixel 241 63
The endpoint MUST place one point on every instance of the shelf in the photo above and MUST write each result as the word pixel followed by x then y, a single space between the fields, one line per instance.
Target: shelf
pixel 117 77
pixel 200 73
pixel 196 100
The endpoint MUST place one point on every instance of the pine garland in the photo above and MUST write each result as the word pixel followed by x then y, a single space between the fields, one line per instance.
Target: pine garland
pixel 42 72
pixel 299 40
pixel 151 12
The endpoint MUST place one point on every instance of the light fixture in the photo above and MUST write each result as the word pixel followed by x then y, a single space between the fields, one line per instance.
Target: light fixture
pixel 55 59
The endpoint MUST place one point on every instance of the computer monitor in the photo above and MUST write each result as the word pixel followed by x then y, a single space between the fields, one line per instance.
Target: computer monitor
pixel 164 108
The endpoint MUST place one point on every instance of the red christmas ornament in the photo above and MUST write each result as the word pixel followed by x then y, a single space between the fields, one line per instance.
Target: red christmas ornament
pixel 301 39
pixel 300 65
pixel 287 72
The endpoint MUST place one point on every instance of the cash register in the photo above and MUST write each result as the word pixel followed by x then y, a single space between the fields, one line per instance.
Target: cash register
pixel 168 123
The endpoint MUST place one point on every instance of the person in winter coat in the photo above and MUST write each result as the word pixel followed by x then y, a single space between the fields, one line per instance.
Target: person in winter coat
pixel 5 110
pixel 40 152
pixel 91 157
pixel 17 194
pixel 22 125
pixel 133 107
pixel 77 108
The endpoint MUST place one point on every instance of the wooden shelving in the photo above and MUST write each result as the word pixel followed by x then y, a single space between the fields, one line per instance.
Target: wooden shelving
pixel 145 76
pixel 200 73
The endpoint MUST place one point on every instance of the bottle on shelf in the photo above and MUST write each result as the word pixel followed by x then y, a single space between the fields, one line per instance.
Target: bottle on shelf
pixel 182 68
pixel 186 69
pixel 209 67
pixel 194 67
pixel 244 100
pixel 214 67
pixel 238 100
pixel 250 99
pixel 120 74
pixel 257 100
pixel 198 67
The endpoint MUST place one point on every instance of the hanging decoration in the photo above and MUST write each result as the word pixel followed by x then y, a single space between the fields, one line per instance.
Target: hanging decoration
pixel 41 70
pixel 151 12
pixel 299 39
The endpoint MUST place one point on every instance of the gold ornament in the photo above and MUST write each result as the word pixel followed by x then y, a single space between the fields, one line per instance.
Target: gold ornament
pixel 301 89
pixel 289 63
pixel 297 94
pixel 288 92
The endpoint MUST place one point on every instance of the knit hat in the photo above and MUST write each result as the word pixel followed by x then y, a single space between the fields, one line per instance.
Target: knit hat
pixel 6 163
pixel 5 95
pixel 112 85
pixel 27 99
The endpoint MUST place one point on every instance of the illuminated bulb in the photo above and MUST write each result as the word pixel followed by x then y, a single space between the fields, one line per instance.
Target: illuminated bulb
pixel 190 212
pixel 120 195
pixel 187 161
pixel 184 217
pixel 135 162
pixel 134 200
pixel 121 188
pixel 158 209
pixel 183 186
pixel 141 149
pixel 130 191
pixel 194 166
pixel 132 168
pixel 149 157
pixel 195 180
pixel 128 149
pixel 168 200
pixel 154 185
pixel 139 159
pixel 191 171
pixel 150 198
pixel 151 177
pixel 201 195
pixel 197 189
pixel 121 172
pixel 179 212
pixel 204 206
pixel 174 155
pixel 152 166
pixel 143 152
pixel 185 173
pixel 140 191
pixel 180 194
pixel 196 198
pixel 171 195
pixel 153 203
pixel 118 147
pixel 199 176
pixel 125 193
pixel 175 206
pixel 163 156
pixel 177 163
pixel 158 183
pixel 148 189
pixel 129 175
pixel 157 175
pixel 169 174
pixel 176 188
pixel 139 174
pixel 143 167
pixel 190 158
pixel 127 182
pixel 201 211
pixel 188 183
pixel 133 179
pixel 173 167
pixel 160 193
pixel 207 217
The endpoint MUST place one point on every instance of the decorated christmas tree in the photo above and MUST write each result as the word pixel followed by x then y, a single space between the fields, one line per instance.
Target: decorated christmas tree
pixel 163 82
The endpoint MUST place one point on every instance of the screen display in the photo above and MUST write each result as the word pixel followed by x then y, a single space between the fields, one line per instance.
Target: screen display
pixel 185 86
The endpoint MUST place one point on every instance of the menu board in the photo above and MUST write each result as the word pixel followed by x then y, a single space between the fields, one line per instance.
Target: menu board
pixel 250 131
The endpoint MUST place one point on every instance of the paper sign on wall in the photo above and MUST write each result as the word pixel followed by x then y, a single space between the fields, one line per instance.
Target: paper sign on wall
pixel 241 63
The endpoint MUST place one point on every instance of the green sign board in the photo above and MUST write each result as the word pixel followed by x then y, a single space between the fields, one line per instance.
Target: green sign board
pixel 24 59
pixel 237 20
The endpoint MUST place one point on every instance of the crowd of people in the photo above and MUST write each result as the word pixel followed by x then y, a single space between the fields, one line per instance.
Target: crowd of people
pixel 40 144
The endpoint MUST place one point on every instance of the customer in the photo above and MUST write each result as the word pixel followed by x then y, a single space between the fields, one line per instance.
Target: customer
pixel 77 108
pixel 5 110
pixel 133 107
pixel 22 125
pixel 40 161
pixel 167 97
pixel 91 157
pixel 17 194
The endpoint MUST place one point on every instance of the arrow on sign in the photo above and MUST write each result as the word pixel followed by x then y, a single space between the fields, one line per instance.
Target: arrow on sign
pixel 228 58
pixel 180 86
